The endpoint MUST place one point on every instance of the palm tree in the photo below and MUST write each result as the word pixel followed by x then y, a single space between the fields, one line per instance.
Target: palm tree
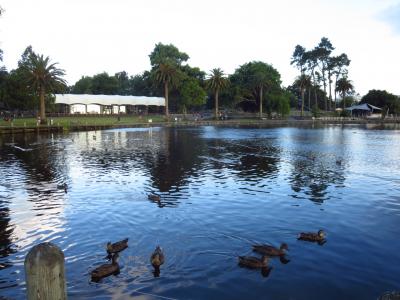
pixel 217 82
pixel 44 78
pixel 167 75
pixel 344 86
pixel 302 82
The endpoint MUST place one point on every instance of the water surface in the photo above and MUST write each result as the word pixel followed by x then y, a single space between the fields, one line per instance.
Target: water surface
pixel 222 190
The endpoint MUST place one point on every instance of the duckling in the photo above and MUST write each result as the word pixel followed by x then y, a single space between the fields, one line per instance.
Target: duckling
pixel 253 262
pixel 106 269
pixel 154 197
pixel 312 236
pixel 271 250
pixel 157 257
pixel 117 247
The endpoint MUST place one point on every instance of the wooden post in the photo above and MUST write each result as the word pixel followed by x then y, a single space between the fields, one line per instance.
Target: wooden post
pixel 44 273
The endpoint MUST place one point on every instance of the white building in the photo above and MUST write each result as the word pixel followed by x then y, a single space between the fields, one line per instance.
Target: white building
pixel 106 104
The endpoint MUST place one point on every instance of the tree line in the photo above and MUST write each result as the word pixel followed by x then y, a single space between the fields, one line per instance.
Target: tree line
pixel 254 86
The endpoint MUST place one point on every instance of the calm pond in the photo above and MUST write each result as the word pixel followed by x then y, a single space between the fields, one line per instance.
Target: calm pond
pixel 222 190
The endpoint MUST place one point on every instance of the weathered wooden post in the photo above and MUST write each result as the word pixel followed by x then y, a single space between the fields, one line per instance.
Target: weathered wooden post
pixel 44 273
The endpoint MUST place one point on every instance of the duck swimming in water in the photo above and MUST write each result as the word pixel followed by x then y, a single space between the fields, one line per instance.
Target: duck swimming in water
pixel 106 269
pixel 117 247
pixel 269 250
pixel 253 262
pixel 154 197
pixel 312 236
pixel 157 259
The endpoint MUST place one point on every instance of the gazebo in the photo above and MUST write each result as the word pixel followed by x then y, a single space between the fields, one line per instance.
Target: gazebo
pixel 364 110
pixel 106 104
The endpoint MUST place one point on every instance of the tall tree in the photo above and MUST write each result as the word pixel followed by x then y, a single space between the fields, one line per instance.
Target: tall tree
pixel 256 78
pixel 345 87
pixel 322 52
pixel 302 82
pixel 216 83
pixel 167 75
pixel 299 58
pixel 340 64
pixel 311 58
pixel 43 77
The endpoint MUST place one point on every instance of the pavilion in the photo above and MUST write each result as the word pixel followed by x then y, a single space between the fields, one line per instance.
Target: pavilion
pixel 365 110
pixel 106 104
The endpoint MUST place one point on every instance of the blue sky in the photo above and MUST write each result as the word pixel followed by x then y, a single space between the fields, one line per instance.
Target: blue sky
pixel 91 36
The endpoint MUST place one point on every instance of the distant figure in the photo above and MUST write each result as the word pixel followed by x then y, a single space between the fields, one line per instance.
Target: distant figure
pixel 157 259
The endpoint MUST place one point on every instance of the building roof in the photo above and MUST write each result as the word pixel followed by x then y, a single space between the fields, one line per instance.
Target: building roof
pixel 108 100
pixel 364 106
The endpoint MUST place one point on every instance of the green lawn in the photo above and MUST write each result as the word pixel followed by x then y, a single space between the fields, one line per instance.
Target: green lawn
pixel 84 120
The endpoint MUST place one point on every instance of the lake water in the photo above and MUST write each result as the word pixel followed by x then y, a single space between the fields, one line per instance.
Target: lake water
pixel 222 190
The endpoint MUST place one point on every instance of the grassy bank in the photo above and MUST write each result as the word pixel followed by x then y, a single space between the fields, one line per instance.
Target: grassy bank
pixel 73 121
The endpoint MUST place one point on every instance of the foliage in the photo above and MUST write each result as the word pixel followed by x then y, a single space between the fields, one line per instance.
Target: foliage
pixel 280 102
pixel 384 100
pixel 217 82
pixel 42 77
pixel 192 94
pixel 345 87
pixel 82 86
pixel 167 54
pixel 104 84
pixel 254 76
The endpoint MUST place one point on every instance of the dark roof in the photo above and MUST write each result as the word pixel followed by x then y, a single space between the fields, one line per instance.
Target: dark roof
pixel 364 106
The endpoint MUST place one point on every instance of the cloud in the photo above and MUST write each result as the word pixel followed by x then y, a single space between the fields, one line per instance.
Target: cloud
pixel 391 16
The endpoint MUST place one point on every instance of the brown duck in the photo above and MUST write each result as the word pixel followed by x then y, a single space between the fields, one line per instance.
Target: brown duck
pixel 106 269
pixel 312 236
pixel 157 257
pixel 154 197
pixel 117 247
pixel 253 262
pixel 269 250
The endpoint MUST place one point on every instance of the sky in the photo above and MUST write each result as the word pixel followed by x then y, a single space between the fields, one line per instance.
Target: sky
pixel 87 37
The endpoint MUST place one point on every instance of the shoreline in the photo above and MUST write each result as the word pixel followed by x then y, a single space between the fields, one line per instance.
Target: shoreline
pixel 234 122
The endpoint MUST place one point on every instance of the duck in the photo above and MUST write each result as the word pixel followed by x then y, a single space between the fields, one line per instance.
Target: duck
pixel 106 269
pixel 154 197
pixel 117 247
pixel 157 257
pixel 63 186
pixel 312 236
pixel 269 250
pixel 253 262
